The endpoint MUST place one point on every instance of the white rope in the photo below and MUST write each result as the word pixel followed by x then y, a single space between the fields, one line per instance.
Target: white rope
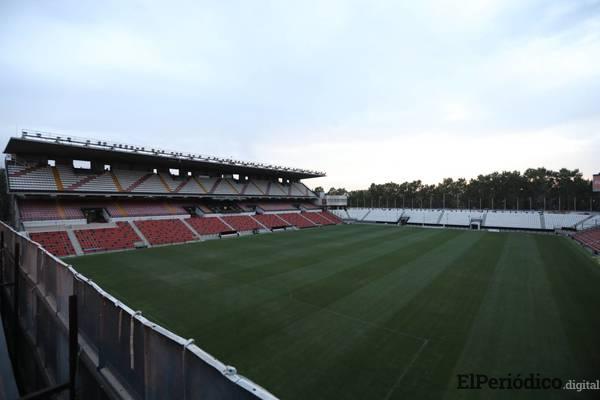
pixel 185 346
pixel 131 349
pixel 120 323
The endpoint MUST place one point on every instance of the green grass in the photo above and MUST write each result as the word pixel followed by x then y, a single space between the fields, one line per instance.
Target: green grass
pixel 373 312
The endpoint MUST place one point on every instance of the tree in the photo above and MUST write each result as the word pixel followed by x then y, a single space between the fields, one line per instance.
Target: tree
pixel 334 191
pixel 536 188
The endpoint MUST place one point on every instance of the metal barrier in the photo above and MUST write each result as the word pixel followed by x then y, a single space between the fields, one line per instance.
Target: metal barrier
pixel 122 354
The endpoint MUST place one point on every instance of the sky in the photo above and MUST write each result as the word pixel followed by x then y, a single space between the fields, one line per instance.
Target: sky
pixel 367 91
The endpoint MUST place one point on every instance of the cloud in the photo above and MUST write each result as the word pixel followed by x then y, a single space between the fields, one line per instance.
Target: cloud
pixel 431 156
pixel 402 87
pixel 549 62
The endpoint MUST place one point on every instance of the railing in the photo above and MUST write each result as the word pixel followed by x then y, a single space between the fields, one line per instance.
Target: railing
pixel 129 148
pixel 122 354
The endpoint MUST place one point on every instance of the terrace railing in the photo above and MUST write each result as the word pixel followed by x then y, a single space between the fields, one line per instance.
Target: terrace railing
pixel 121 355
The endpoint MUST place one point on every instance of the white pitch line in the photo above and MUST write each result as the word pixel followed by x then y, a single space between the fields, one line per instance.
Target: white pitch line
pixel 424 341
pixel 412 361
pixel 364 322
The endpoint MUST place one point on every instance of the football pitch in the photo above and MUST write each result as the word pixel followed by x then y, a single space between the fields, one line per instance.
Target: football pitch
pixel 374 312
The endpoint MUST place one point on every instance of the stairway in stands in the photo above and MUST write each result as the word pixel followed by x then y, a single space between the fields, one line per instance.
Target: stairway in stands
pixel 164 231
pixel 582 223
pixel 439 220
pixel 225 223
pixel 82 182
pixel 116 181
pixel 119 237
pixel 74 242
pixel 138 182
pixel 139 233
pixel 25 171
pixel 542 221
pixel 365 216
pixel 297 220
pixel 191 228
pixel 259 222
pixel 209 225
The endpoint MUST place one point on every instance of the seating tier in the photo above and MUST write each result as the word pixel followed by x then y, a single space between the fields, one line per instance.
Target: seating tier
pixel 318 218
pixel 271 221
pixel 165 231
pixel 208 225
pixel 56 242
pixel 242 223
pixel 297 220
pixel 121 237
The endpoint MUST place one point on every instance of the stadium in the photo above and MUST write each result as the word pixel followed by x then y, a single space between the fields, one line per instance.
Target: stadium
pixel 132 272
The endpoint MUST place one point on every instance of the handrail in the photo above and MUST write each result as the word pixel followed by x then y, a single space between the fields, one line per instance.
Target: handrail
pixel 136 149
pixel 227 371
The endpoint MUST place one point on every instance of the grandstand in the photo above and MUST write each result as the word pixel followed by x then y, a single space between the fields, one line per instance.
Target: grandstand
pixel 77 196
pixel 589 238
pixel 477 219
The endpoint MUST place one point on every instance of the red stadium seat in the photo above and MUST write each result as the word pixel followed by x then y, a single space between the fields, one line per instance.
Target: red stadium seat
pixel 208 225
pixel 271 220
pixel 590 238
pixel 297 220
pixel 242 223
pixel 318 218
pixel 121 237
pixel 44 210
pixel 164 231
pixel 332 217
pixel 57 242
pixel 143 208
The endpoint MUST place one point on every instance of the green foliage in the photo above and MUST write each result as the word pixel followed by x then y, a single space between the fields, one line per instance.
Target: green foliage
pixel 334 191
pixel 536 188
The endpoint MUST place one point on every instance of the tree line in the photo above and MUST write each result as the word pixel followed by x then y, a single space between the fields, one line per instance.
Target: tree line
pixel 535 189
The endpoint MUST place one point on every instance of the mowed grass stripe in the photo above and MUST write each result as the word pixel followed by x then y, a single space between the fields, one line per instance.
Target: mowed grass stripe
pixel 228 294
pixel 348 255
pixel 321 352
pixel 352 258
pixel 187 282
pixel 518 316
pixel 574 279
pixel 443 312
pixel 375 349
pixel 247 324
pixel 354 247
pixel 376 312
pixel 383 297
pixel 332 288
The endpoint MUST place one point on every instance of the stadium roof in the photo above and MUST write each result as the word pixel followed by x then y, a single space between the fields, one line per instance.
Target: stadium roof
pixel 43 144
